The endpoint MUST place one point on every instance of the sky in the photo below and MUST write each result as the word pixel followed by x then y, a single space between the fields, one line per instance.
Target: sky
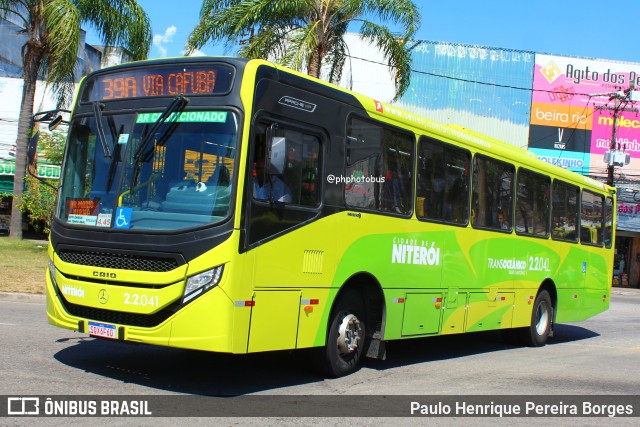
pixel 586 28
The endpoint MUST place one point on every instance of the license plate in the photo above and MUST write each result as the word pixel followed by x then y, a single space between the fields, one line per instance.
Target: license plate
pixel 103 330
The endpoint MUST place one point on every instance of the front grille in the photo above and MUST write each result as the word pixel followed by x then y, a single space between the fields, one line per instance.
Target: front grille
pixel 121 318
pixel 117 260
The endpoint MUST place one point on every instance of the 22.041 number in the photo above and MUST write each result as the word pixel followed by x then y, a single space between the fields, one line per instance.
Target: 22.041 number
pixel 141 300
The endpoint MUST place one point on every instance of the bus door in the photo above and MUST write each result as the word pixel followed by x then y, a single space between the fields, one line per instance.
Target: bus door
pixel 292 252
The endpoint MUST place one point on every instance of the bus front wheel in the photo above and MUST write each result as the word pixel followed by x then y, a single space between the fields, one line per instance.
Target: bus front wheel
pixel 541 321
pixel 346 337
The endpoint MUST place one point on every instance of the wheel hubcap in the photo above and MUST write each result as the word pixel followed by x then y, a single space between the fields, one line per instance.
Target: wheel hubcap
pixel 349 334
pixel 542 317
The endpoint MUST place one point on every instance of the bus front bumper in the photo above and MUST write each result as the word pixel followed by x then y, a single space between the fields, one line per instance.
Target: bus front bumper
pixel 211 322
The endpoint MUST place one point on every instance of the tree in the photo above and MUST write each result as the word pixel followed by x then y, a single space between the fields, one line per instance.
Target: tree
pixel 39 200
pixel 307 35
pixel 53 37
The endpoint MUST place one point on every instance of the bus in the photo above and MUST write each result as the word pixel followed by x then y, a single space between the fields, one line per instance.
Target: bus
pixel 236 206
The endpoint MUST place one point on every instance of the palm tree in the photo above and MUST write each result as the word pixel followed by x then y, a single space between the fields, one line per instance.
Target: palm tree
pixel 307 35
pixel 53 34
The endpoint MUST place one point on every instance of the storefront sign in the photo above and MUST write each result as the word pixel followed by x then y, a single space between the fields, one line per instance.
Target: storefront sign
pixel 44 171
pixel 571 110
pixel 7 168
pixel 49 171
pixel 628 216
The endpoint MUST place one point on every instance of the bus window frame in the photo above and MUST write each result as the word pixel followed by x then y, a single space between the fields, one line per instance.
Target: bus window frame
pixel 549 203
pixel 426 139
pixel 269 121
pixel 609 243
pixel 602 217
pixel 511 214
pixel 279 208
pixel 578 204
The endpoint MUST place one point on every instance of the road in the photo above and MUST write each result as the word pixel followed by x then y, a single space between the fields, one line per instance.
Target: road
pixel 595 357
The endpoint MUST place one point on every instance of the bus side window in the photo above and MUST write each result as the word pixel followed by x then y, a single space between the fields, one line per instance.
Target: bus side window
pixel 532 203
pixel 564 209
pixel 379 165
pixel 443 182
pixel 301 166
pixel 592 218
pixel 608 222
pixel 284 179
pixel 492 193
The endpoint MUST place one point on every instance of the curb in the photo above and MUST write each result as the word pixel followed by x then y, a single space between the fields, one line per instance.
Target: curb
pixel 18 297
pixel 618 290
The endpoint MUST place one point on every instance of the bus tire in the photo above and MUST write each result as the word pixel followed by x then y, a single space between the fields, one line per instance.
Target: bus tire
pixel 541 321
pixel 345 337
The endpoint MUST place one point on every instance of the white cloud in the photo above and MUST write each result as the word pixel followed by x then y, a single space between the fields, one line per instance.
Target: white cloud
pixel 196 52
pixel 159 40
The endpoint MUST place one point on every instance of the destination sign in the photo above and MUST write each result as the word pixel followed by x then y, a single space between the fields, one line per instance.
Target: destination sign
pixel 168 80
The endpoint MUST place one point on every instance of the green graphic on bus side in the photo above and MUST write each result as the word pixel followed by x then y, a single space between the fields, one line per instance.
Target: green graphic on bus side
pixel 420 262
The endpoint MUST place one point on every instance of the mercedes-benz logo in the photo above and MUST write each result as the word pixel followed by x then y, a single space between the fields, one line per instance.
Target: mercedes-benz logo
pixel 103 296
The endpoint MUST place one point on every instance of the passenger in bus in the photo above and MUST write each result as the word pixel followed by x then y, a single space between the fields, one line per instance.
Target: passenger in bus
pixel 502 224
pixel 268 186
pixel 392 194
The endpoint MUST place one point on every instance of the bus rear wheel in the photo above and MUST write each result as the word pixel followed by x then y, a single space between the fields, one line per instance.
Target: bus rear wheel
pixel 345 338
pixel 541 321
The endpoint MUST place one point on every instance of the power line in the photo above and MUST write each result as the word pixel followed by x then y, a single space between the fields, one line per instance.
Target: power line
pixel 528 89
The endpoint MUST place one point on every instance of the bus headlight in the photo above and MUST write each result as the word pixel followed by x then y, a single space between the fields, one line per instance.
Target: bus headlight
pixel 202 282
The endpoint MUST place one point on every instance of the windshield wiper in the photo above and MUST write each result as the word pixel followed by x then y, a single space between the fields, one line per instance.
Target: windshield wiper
pixel 177 105
pixel 116 155
pixel 97 114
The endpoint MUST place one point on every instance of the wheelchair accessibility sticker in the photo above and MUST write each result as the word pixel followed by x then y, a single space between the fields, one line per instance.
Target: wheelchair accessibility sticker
pixel 122 218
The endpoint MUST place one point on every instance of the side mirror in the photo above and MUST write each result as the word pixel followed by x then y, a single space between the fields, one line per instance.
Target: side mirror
pixel 55 122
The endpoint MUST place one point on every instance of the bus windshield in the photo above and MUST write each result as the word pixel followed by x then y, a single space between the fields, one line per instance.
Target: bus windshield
pixel 119 175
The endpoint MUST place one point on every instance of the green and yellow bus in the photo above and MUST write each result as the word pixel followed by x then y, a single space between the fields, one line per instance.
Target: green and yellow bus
pixel 236 206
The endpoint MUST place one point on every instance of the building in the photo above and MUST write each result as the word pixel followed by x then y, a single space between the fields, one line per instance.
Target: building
pixel 558 107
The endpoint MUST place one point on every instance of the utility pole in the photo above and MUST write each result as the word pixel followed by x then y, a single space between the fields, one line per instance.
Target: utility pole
pixel 615 156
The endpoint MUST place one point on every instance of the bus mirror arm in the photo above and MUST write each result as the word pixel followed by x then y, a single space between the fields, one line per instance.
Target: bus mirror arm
pixel 32 153
pixel 54 117
pixel 42 180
